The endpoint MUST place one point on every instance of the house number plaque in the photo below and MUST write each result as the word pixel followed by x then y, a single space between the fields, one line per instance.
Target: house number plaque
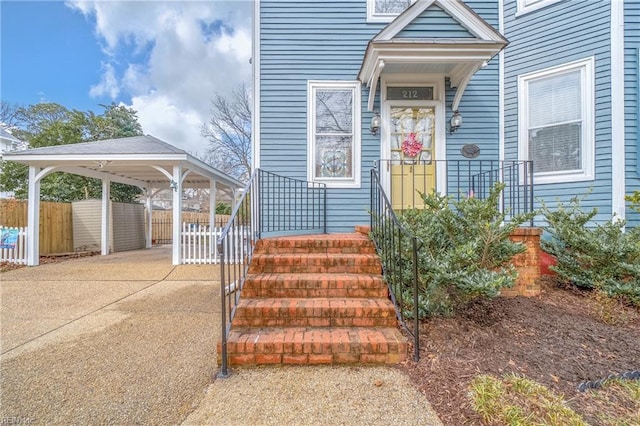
pixel 410 93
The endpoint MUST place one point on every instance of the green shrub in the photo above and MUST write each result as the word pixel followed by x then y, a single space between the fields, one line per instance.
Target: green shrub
pixel 223 208
pixel 590 255
pixel 634 200
pixel 465 251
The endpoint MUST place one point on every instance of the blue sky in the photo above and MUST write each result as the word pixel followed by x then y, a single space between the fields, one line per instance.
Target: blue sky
pixel 164 59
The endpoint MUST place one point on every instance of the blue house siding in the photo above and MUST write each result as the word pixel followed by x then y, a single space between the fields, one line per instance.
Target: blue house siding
pixel 302 41
pixel 445 27
pixel 308 40
pixel 547 38
pixel 632 101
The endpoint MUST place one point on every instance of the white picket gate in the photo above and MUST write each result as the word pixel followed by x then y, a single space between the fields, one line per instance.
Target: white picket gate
pixel 198 243
pixel 17 254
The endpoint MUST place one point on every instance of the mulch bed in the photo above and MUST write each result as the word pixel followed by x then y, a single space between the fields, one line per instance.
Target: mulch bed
pixel 556 339
pixel 53 258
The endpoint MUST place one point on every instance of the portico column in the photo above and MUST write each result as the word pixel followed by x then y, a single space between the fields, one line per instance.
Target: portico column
pixel 106 216
pixel 33 218
pixel 177 213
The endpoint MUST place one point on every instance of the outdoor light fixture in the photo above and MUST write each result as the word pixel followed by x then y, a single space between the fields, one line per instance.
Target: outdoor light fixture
pixel 375 123
pixel 173 185
pixel 455 123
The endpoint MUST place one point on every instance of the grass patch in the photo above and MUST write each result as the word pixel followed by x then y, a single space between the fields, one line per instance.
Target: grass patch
pixel 515 400
pixel 616 402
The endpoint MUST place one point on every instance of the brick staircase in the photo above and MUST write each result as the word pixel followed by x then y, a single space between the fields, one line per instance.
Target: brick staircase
pixel 315 300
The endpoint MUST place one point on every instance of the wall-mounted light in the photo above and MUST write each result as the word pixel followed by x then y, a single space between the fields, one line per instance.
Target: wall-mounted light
pixel 375 123
pixel 173 185
pixel 101 164
pixel 455 123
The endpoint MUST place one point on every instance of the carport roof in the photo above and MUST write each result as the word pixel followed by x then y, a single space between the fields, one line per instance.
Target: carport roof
pixel 143 161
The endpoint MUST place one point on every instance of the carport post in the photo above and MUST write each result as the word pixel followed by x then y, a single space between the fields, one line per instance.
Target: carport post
pixel 212 216
pixel 149 242
pixel 176 184
pixel 106 216
pixel 33 218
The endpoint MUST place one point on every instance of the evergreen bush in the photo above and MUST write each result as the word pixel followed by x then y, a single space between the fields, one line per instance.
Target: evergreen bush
pixel 465 251
pixel 592 255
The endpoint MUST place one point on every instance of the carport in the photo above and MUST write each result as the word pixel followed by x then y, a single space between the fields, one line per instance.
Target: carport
pixel 142 161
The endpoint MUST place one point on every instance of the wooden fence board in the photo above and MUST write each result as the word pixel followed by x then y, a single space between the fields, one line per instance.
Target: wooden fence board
pixel 56 226
pixel 56 223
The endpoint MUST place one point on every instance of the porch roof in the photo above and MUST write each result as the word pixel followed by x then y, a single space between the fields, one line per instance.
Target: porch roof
pixel 458 58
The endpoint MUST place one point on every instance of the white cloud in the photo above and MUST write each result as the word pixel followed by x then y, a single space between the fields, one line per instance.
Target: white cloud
pixel 108 85
pixel 178 126
pixel 173 57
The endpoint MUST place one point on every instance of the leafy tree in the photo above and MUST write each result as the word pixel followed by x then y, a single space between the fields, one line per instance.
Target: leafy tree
pixel 51 124
pixel 229 133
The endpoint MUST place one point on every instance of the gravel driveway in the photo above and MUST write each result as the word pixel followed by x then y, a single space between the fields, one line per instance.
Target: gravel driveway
pixel 130 339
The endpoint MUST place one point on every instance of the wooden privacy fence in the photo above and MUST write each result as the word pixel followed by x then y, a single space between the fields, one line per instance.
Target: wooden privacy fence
pixel 198 244
pixel 56 226
pixel 13 245
pixel 162 221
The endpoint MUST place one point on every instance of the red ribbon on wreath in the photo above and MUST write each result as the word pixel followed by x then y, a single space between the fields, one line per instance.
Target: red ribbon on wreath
pixel 411 147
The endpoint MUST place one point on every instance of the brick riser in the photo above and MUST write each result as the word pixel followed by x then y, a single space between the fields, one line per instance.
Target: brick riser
pixel 315 312
pixel 314 285
pixel 315 300
pixel 295 345
pixel 315 263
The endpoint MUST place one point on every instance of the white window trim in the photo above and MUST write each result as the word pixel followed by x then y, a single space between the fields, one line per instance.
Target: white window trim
pixel 524 8
pixel 586 66
pixel 355 86
pixel 380 17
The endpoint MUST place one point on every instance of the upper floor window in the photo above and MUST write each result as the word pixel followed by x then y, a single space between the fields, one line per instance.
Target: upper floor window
pixel 386 10
pixel 556 122
pixel 334 133
pixel 526 6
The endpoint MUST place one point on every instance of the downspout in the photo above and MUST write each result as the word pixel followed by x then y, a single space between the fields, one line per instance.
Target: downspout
pixel 618 170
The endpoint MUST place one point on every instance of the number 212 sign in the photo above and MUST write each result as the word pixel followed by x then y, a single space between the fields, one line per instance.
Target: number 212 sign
pixel 409 93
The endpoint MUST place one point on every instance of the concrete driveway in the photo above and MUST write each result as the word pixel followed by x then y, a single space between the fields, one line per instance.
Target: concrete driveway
pixel 120 339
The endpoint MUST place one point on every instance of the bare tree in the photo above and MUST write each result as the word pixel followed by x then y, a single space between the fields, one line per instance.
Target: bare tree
pixel 229 133
pixel 8 114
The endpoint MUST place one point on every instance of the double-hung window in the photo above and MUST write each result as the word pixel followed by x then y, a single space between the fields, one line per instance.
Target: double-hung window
pixel 333 112
pixel 556 122
pixel 526 6
pixel 386 10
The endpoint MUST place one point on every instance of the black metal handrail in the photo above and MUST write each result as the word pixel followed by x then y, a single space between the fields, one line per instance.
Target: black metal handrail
pixel 460 179
pixel 288 204
pixel 239 236
pixel 269 203
pixel 393 241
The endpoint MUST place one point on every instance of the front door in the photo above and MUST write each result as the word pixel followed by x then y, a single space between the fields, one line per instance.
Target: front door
pixel 413 170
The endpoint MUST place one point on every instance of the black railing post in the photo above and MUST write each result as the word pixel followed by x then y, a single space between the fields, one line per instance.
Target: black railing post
pixel 224 368
pixel 531 189
pixel 416 324
pixel 324 219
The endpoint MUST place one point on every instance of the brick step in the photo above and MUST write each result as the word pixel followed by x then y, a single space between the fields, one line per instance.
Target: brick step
pixel 298 345
pixel 315 312
pixel 314 285
pixel 330 243
pixel 315 263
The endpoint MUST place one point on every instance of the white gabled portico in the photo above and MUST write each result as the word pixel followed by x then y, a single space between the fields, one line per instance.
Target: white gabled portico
pixel 142 161
pixel 457 58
